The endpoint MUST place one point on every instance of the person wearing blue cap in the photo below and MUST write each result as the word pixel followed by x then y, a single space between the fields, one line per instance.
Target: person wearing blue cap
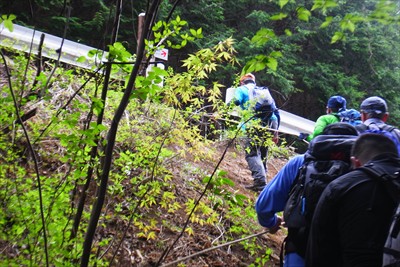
pixel 374 114
pixel 335 105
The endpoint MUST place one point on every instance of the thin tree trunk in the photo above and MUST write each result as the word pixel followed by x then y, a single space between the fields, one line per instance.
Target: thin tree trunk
pixel 102 190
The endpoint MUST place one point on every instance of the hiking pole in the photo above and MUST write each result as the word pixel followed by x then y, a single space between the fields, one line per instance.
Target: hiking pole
pixel 213 248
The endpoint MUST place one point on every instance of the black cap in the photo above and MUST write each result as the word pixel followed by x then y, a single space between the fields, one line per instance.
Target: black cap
pixel 374 104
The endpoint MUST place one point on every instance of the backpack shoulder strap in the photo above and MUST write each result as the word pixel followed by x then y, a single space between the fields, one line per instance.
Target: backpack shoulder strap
pixel 380 126
pixel 387 127
pixel 374 126
pixel 361 127
pixel 393 130
pixel 390 181
pixel 340 118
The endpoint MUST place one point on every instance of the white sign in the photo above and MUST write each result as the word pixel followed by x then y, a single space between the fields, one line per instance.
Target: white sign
pixel 230 93
pixel 161 54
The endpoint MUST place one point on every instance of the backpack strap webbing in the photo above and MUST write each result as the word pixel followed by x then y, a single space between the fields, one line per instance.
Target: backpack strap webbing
pixel 387 179
pixel 382 126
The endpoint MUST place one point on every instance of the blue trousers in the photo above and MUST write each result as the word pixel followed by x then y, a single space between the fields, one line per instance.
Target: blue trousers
pixel 293 260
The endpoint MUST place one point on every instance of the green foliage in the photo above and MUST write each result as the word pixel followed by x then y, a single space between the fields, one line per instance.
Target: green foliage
pixel 22 215
pixel 303 14
pixel 323 5
pixel 220 194
pixel 188 87
pixel 165 31
pixel 7 21
pixel 318 48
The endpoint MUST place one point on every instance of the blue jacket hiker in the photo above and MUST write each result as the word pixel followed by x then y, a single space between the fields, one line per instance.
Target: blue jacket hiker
pixel 275 196
pixel 273 199
pixel 246 96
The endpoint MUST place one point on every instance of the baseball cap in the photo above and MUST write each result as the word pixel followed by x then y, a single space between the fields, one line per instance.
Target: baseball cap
pixel 247 77
pixel 337 102
pixel 374 104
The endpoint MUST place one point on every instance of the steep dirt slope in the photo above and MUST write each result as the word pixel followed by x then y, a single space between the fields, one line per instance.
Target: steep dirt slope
pixel 236 166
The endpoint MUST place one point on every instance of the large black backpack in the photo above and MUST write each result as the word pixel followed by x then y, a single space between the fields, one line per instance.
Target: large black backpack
pixel 327 158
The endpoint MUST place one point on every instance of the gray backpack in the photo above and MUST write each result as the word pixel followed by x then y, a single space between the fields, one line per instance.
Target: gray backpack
pixel 391 251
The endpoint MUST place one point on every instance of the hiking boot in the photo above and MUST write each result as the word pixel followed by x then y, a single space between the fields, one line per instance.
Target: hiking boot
pixel 255 187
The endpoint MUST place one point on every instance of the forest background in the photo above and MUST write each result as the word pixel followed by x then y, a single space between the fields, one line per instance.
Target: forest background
pixel 101 155
pixel 362 61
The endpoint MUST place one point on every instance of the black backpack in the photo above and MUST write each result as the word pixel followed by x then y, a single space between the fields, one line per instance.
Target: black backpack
pixel 327 158
pixel 391 250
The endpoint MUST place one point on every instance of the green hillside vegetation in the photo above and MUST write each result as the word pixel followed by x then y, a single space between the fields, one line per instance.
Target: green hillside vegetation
pixel 171 192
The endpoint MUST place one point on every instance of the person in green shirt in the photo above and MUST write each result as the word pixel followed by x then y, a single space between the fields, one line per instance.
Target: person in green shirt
pixel 335 105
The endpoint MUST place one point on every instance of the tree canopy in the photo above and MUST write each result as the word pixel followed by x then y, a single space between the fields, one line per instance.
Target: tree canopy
pixel 306 48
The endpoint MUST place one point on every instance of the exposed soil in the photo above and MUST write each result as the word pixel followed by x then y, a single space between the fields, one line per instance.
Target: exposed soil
pixel 142 252
pixel 236 166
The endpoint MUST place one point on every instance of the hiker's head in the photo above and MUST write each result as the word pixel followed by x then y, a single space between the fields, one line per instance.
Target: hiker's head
pixel 374 107
pixel 335 104
pixel 247 78
pixel 340 128
pixel 370 145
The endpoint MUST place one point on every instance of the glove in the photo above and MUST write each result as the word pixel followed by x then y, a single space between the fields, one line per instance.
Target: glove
pixel 303 136
pixel 277 225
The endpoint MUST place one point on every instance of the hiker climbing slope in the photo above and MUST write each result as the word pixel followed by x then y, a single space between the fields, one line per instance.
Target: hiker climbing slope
pixel 352 218
pixel 374 114
pixel 258 100
pixel 334 143
pixel 335 104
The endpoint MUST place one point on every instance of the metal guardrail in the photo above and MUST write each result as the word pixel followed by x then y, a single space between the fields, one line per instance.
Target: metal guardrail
pixel 294 125
pixel 26 39
pixel 290 123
